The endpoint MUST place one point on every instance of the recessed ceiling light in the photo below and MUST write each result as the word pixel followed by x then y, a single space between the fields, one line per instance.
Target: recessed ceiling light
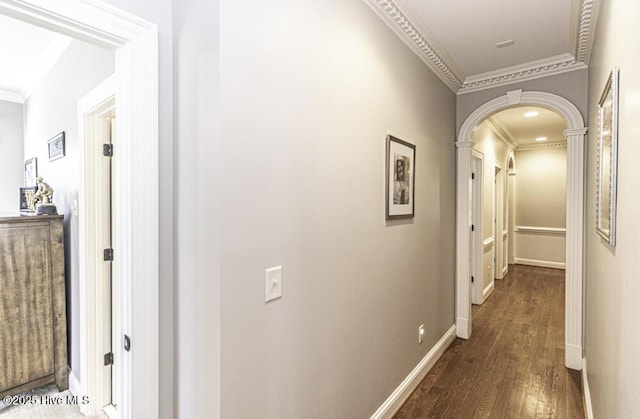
pixel 507 43
pixel 541 139
pixel 531 114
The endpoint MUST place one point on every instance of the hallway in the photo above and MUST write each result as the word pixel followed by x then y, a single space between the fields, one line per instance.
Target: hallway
pixel 512 367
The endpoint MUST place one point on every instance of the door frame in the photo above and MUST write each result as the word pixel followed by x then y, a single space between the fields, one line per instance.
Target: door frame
pixel 574 282
pixel 93 239
pixel 135 44
pixel 511 207
pixel 498 223
pixel 477 251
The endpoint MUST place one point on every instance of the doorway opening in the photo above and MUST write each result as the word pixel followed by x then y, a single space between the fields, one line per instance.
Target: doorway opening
pixel 136 190
pixel 575 137
pixel 101 349
pixel 477 245
pixel 501 234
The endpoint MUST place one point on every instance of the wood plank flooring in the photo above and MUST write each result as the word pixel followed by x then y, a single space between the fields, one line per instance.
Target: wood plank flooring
pixel 513 365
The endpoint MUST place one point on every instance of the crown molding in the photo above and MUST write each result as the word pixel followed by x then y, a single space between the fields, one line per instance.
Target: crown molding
pixel 502 132
pixel 415 39
pixel 11 96
pixel 589 12
pixel 397 14
pixel 532 70
pixel 542 146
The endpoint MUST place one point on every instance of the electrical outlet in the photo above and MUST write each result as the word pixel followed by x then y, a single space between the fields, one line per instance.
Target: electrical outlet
pixel 421 334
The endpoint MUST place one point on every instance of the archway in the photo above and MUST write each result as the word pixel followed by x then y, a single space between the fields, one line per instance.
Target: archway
pixel 575 135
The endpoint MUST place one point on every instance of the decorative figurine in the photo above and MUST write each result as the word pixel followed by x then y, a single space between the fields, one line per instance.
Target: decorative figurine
pixel 43 198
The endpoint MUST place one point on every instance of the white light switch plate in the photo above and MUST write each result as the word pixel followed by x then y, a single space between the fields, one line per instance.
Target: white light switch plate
pixel 272 283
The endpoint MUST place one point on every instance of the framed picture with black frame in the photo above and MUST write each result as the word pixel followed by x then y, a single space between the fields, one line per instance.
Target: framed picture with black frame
pixel 400 178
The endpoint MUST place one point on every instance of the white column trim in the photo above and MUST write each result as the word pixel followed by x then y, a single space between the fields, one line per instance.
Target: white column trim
pixel 463 240
pixel 575 133
pixel 574 273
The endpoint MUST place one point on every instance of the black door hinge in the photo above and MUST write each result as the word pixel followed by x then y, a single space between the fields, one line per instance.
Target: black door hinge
pixel 472 280
pixel 107 255
pixel 473 227
pixel 127 343
pixel 473 175
pixel 107 150
pixel 108 359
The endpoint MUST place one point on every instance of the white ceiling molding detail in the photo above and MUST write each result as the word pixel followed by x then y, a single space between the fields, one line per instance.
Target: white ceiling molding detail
pixel 9 96
pixel 528 71
pixel 588 19
pixel 398 16
pixel 401 25
pixel 541 146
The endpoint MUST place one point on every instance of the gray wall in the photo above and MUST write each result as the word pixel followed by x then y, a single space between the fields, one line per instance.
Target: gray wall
pixel 571 86
pixel 197 201
pixel 308 92
pixel 11 156
pixel 348 116
pixel 50 109
pixel 612 283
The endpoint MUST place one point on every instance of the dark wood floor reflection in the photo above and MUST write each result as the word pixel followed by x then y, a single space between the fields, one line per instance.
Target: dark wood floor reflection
pixel 513 365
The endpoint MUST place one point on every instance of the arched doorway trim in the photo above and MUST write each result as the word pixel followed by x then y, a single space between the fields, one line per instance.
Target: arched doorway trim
pixel 575 135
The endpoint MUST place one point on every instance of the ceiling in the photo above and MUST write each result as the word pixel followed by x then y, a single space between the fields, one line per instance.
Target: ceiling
pixel 458 38
pixel 27 62
pixel 519 130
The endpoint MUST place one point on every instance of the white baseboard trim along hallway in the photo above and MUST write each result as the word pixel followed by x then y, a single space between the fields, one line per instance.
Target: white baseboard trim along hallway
pixel 541 263
pixel 586 394
pixel 409 384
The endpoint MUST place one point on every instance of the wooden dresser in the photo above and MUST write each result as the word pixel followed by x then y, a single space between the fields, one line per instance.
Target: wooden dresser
pixel 33 325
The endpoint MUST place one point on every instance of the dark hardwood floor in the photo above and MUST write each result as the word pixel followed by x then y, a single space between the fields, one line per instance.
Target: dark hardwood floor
pixel 513 365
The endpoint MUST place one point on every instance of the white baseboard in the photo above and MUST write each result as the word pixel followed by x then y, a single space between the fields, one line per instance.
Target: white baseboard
pixel 586 394
pixel 505 270
pixel 409 384
pixel 540 263
pixel 74 385
pixel 488 290
pixel 573 356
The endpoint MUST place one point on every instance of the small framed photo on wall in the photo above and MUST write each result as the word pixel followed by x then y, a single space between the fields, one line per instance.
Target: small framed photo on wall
pixel 56 147
pixel 400 178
